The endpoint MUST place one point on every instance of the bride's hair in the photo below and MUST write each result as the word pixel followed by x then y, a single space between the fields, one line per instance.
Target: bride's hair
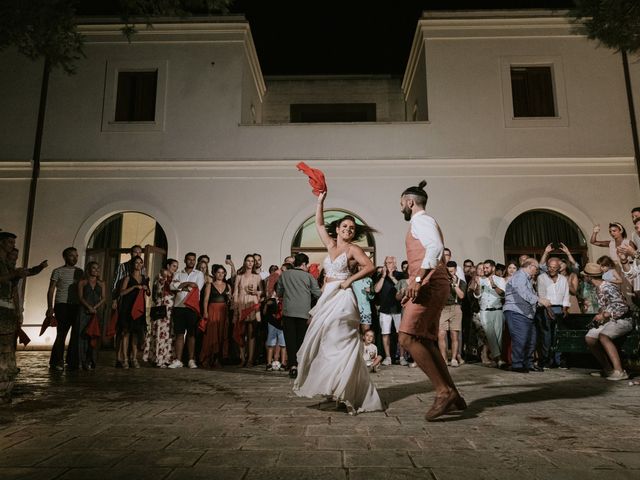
pixel 361 230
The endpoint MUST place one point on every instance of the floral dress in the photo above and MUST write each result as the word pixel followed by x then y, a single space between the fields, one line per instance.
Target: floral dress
pixel 158 345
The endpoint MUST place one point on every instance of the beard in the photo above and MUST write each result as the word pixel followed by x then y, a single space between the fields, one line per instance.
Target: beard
pixel 406 211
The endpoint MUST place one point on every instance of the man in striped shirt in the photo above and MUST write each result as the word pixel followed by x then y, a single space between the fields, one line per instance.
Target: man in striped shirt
pixel 62 302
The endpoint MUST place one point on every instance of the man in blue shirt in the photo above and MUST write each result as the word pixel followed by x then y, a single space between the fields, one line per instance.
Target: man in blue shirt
pixel 520 304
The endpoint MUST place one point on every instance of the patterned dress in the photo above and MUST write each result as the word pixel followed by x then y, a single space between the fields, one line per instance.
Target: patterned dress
pixel 158 345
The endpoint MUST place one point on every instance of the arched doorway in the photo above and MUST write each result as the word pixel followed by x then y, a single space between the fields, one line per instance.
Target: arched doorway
pixel 532 231
pixel 110 242
pixel 306 239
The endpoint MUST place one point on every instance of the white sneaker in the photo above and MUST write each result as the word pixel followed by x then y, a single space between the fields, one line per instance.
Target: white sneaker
pixel 403 362
pixel 176 364
pixel 413 365
pixel 618 375
pixel 192 364
pixel 454 363
pixel 386 361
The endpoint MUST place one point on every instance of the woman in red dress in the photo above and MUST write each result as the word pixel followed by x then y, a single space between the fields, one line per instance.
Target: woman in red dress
pixel 217 297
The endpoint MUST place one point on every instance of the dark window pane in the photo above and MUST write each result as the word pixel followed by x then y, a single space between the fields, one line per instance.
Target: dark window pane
pixel 136 98
pixel 532 90
pixel 332 112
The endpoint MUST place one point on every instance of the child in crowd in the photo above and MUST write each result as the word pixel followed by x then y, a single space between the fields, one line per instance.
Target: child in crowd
pixel 609 273
pixel 371 356
pixel 276 351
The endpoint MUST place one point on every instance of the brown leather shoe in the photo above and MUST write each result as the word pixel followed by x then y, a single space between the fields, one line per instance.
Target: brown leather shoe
pixel 442 405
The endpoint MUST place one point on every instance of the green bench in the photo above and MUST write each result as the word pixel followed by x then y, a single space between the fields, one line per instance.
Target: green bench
pixel 571 332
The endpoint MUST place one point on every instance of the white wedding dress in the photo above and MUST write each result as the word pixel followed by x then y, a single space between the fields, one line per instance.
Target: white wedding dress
pixel 330 360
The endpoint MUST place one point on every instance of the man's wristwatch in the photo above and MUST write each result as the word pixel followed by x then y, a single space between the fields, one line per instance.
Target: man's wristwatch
pixel 418 279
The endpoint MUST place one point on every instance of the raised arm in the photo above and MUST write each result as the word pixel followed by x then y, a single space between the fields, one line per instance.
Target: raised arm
pixel 327 241
pixel 594 238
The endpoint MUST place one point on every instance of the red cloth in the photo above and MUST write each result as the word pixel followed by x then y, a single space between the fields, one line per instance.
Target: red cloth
pixel 316 178
pixel 192 300
pixel 49 321
pixel 202 325
pixel 248 311
pixel 314 270
pixel 93 330
pixel 113 322
pixel 138 309
pixel 23 337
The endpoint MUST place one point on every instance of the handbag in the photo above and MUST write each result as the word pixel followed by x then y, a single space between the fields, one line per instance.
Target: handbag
pixel 157 313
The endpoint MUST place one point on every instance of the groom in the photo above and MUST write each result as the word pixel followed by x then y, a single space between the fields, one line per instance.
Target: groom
pixel 425 297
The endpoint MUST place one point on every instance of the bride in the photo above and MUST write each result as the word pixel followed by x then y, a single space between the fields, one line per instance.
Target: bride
pixel 330 360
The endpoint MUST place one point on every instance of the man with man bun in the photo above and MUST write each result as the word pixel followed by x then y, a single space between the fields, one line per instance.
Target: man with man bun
pixel 425 297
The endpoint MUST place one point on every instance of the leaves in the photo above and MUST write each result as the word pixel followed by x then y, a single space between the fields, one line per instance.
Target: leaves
pixel 614 23
pixel 49 29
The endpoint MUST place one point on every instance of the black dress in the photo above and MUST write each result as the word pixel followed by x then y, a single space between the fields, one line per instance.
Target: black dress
pixel 126 323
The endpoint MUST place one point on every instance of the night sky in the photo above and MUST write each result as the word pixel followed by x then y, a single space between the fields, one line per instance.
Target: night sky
pixel 307 37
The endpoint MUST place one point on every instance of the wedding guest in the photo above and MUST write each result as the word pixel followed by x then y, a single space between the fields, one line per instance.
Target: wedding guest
pixel 247 294
pixel 91 296
pixel 158 347
pixel 9 317
pixel 489 291
pixel 185 318
pixel 217 297
pixel 511 268
pixel 609 273
pixel 371 357
pixel 612 321
pixel 276 345
pixel 451 317
pixel 122 271
pixel 297 287
pixel 519 309
pixel 618 239
pixel 131 324
pixel 389 311
pixel 363 290
pixel 62 302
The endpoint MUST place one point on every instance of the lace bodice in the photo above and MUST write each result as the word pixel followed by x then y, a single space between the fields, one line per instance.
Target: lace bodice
pixel 338 269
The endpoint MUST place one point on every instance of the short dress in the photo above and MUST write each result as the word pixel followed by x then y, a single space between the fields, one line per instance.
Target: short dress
pixel 126 322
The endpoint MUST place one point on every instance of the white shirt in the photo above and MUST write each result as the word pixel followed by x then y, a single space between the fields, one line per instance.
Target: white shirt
pixel 425 229
pixel 556 292
pixel 263 275
pixel 489 298
pixel 196 276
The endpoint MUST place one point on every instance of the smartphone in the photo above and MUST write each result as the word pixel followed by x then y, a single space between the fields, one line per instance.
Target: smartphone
pixel 228 256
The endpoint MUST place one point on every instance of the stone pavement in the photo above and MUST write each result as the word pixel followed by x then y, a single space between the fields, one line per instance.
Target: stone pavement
pixel 246 424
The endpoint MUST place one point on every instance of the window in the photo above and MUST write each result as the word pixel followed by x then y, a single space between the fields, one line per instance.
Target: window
pixel 332 112
pixel 136 96
pixel 532 91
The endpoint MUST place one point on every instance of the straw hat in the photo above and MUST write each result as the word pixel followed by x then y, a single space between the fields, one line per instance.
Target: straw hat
pixel 592 269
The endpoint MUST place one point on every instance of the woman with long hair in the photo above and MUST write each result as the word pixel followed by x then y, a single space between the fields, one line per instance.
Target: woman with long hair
pixel 247 293
pixel 91 295
pixel 330 360
pixel 511 268
pixel 217 296
pixel 158 348
pixel 132 324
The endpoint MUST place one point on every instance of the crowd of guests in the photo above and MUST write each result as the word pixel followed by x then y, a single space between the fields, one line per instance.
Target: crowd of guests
pixel 206 314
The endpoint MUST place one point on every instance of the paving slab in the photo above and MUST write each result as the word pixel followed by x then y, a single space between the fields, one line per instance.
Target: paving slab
pixel 240 424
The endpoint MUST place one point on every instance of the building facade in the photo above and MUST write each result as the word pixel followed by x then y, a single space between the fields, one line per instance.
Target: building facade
pixel 501 114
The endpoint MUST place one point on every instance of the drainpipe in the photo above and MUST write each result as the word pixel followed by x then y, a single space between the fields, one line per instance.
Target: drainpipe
pixel 35 169
pixel 632 112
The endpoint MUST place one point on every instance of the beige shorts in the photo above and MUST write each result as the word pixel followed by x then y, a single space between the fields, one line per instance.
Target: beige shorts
pixel 612 329
pixel 451 318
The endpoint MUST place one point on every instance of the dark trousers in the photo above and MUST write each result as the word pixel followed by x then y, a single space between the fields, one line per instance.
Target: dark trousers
pixel 67 318
pixel 294 332
pixel 547 332
pixel 523 339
